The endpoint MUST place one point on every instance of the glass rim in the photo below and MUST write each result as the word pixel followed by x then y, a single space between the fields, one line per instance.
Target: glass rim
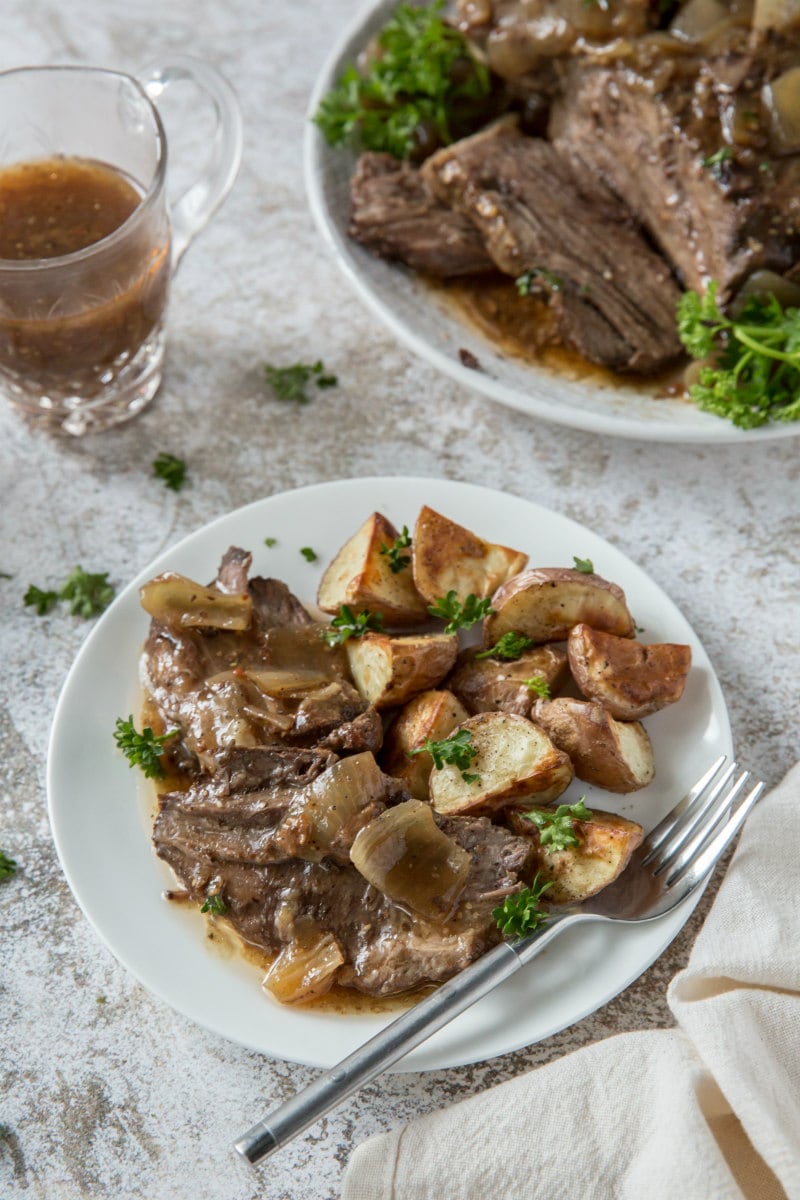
pixel 21 265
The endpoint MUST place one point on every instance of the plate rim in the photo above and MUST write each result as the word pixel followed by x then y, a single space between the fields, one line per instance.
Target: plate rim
pixel 671 924
pixel 718 431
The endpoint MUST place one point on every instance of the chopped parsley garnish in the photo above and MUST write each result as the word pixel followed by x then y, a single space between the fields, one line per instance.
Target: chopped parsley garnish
pixel 143 749
pixel 755 372
pixel 584 565
pixel 8 865
pixel 714 162
pixel 87 595
pixel 308 554
pixel 270 542
pixel 214 904
pixel 457 750
pixel 520 913
pixel 460 616
pixel 43 602
pixel 346 624
pixel 171 469
pixel 397 560
pixel 539 685
pixel 556 827
pixel 509 647
pixel 289 383
pixel 420 80
pixel 535 279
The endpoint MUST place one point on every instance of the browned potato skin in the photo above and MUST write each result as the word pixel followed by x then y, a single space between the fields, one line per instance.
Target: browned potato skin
pixel 605 846
pixel 361 576
pixel 546 602
pixel 629 679
pixel 592 739
pixel 390 670
pixel 448 557
pixel 491 685
pixel 504 779
pixel 433 714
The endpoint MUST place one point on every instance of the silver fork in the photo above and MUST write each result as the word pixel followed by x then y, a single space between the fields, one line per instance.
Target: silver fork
pixel 676 857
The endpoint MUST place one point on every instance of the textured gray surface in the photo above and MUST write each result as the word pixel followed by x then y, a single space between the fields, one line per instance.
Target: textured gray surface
pixel 104 1092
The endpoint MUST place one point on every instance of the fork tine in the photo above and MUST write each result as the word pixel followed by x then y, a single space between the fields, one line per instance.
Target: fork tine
pixel 693 837
pixel 686 810
pixel 706 859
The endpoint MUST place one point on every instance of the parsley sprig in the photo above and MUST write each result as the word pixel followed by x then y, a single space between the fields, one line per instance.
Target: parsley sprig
pixel 87 594
pixel 539 685
pixel 421 82
pixel 520 912
pixel 397 560
pixel 8 865
pixel 143 749
pixel 347 624
pixel 171 469
pixel 755 375
pixel 214 904
pixel 584 565
pixel 537 279
pixel 509 647
pixel 714 162
pixel 460 616
pixel 557 826
pixel 289 383
pixel 458 750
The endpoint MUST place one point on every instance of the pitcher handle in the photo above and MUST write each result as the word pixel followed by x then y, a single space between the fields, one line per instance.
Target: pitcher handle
pixel 201 199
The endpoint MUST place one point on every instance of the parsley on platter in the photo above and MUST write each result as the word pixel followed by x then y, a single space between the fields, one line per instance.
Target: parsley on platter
pixel 509 647
pixel 754 373
pixel 346 624
pixel 397 560
pixel 215 905
pixel 538 277
pixel 584 565
pixel 557 826
pixel 457 750
pixel 460 616
pixel 539 685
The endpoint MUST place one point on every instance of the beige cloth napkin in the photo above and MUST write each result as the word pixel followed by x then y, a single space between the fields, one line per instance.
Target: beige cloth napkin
pixel 707 1111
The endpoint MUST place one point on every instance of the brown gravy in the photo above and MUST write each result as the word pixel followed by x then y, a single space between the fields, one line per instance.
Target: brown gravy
pixel 68 332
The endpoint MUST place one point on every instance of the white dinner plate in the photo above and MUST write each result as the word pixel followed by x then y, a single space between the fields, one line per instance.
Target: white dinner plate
pixel 425 322
pixel 100 809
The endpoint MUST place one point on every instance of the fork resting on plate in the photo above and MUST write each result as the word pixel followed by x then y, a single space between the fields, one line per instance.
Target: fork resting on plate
pixel 674 860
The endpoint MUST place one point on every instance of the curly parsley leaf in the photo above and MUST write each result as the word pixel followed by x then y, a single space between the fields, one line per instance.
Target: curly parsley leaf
pixel 584 565
pixel 171 469
pixel 520 912
pixel 457 750
pixel 215 905
pixel 87 594
pixel 397 560
pixel 269 542
pixel 510 647
pixel 460 616
pixel 346 624
pixel 557 827
pixel 143 749
pixel 308 554
pixel 754 373
pixel 8 865
pixel 289 383
pixel 539 685
pixel 42 601
pixel 417 88
pixel 715 162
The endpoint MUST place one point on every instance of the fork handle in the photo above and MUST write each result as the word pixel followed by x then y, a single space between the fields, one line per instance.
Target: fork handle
pixel 402 1035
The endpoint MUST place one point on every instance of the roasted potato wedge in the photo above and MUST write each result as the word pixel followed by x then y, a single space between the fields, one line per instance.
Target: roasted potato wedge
pixel 515 761
pixel 431 715
pixel 491 685
pixel 360 575
pixel 615 755
pixel 545 604
pixel 629 679
pixel 447 557
pixel 605 846
pixel 390 670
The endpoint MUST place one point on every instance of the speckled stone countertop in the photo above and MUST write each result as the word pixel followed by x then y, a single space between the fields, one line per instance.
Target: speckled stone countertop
pixel 104 1091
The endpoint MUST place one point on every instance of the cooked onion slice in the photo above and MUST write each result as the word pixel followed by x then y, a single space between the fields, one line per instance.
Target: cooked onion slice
pixel 176 600
pixel 287 683
pixel 337 795
pixel 306 967
pixel 407 857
